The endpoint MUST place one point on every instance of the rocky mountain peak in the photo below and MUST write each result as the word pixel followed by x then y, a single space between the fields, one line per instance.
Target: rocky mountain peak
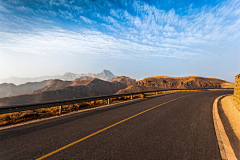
pixel 68 76
pixel 107 73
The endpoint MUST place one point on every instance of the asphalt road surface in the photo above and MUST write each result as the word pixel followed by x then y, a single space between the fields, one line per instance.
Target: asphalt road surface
pixel 173 126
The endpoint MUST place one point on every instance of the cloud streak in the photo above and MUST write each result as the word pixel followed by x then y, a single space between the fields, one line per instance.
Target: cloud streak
pixel 55 42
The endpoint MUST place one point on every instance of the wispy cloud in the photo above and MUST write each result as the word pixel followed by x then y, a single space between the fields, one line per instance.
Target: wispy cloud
pixel 3 9
pixel 152 26
pixel 86 20
pixel 55 42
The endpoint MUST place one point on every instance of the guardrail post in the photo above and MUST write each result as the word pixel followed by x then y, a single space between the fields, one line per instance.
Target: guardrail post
pixel 179 90
pixel 108 100
pixel 131 97
pixel 164 92
pixel 171 91
pixel 156 93
pixel 60 109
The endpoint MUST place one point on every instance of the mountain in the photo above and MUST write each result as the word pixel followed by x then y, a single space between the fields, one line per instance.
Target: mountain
pixel 164 82
pixel 54 85
pixel 10 89
pixel 125 80
pixel 18 81
pixel 7 90
pixel 59 84
pixel 60 90
pixel 105 75
pixel 70 76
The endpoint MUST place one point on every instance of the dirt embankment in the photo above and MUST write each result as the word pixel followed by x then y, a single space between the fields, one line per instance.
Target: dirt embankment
pixel 230 117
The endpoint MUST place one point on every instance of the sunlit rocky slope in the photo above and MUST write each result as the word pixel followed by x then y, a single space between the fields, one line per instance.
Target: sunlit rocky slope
pixel 164 82
pixel 125 80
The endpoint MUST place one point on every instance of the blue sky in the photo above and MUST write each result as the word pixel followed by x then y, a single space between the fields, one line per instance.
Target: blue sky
pixel 133 38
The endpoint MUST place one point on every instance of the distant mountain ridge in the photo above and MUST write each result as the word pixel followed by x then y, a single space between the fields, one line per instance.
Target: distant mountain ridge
pixel 10 89
pixel 105 75
pixel 18 81
pixel 69 76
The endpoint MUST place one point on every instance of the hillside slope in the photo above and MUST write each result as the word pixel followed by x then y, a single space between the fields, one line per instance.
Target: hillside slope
pixel 123 79
pixel 164 82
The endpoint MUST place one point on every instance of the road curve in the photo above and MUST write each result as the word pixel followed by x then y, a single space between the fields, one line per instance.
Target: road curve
pixel 182 128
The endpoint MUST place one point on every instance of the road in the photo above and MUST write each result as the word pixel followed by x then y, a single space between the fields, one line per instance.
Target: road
pixel 173 126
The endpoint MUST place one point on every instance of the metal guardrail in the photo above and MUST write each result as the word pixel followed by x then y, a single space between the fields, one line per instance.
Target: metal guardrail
pixel 60 103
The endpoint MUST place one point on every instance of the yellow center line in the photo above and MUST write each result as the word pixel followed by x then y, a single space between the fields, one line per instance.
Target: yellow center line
pixel 71 144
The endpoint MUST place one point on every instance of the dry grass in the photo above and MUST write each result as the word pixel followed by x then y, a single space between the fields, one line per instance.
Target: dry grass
pixel 232 113
pixel 22 116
